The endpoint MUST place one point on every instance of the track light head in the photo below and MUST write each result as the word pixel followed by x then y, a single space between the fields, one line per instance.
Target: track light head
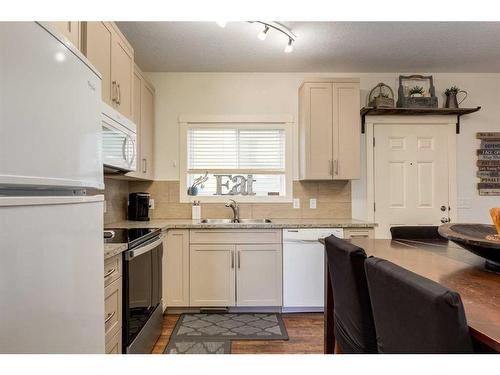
pixel 263 34
pixel 289 46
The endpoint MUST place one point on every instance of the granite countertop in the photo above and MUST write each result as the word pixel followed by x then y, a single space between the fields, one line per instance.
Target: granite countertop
pixel 112 249
pixel 166 224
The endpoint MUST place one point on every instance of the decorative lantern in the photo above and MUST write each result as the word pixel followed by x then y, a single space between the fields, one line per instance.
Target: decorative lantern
pixel 381 96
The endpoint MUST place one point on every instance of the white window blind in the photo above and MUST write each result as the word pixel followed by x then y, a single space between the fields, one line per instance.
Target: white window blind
pixel 234 148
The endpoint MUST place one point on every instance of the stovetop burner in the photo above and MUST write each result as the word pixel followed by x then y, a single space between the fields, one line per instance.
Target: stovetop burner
pixel 132 236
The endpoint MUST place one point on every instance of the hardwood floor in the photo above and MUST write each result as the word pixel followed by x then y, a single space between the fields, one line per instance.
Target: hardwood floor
pixel 305 333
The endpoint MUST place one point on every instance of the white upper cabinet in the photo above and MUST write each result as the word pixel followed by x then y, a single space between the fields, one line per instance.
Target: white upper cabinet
pixel 71 30
pixel 143 117
pixel 329 129
pixel 109 51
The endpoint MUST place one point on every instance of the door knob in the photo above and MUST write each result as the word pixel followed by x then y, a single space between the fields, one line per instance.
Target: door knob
pixel 445 220
pixel 443 208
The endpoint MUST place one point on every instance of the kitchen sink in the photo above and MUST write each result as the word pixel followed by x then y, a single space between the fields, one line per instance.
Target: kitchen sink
pixel 255 221
pixel 231 221
pixel 217 221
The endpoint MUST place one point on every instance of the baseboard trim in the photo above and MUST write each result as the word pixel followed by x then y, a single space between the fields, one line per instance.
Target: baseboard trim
pixel 235 309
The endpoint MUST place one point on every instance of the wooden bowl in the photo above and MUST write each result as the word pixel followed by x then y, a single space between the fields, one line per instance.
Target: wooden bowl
pixel 479 239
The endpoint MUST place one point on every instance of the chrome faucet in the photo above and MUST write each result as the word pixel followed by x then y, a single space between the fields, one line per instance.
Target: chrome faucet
pixel 236 210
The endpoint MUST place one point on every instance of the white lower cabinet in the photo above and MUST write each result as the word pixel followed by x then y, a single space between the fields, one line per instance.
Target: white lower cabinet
pixel 258 275
pixel 176 268
pixel 113 304
pixel 114 345
pixel 212 275
pixel 359 233
pixel 235 268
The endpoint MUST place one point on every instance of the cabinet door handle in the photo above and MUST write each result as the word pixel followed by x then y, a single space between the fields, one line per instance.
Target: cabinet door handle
pixel 109 273
pixel 109 316
pixel 113 91
pixel 336 166
pixel 144 165
pixel 232 259
pixel 239 259
pixel 119 96
pixel 330 167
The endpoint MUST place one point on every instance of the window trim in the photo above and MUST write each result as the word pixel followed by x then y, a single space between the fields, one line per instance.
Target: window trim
pixel 284 122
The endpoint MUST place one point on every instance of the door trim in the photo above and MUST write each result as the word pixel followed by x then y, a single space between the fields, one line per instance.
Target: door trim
pixel 449 121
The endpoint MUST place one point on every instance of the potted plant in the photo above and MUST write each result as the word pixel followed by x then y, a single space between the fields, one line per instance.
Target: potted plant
pixel 193 189
pixel 451 97
pixel 416 91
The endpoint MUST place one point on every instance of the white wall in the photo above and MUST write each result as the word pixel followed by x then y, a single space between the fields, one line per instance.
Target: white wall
pixel 277 93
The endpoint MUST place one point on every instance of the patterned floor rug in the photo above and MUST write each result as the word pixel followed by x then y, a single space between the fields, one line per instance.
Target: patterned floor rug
pixel 212 333
pixel 198 346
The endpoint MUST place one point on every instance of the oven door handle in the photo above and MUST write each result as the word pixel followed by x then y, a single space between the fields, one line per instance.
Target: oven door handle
pixel 131 254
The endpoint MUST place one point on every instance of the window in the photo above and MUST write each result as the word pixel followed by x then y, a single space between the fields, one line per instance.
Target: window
pixel 243 161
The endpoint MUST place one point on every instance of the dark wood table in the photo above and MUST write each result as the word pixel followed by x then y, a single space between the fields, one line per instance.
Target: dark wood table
pixel 447 264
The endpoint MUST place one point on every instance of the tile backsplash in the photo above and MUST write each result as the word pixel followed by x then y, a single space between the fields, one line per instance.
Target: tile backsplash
pixel 116 196
pixel 333 201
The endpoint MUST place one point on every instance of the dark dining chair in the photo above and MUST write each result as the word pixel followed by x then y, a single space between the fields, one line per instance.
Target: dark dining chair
pixel 354 328
pixel 416 233
pixel 414 314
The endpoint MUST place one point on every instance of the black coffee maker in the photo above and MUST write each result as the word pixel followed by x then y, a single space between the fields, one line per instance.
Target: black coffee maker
pixel 138 206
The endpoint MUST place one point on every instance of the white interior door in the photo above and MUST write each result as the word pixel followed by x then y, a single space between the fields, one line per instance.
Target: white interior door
pixel 411 175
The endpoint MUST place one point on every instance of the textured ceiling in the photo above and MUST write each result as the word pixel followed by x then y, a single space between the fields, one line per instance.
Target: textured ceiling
pixel 320 47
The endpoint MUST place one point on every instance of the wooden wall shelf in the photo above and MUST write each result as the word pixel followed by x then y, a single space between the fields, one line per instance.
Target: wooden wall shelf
pixel 370 111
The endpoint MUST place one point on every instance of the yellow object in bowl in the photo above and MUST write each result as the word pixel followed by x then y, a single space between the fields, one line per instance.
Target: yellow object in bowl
pixel 495 215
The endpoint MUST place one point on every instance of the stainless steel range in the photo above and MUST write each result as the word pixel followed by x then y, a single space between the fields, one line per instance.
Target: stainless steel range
pixel 142 280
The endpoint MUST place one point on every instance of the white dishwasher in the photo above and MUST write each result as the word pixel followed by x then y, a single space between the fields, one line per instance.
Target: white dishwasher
pixel 303 268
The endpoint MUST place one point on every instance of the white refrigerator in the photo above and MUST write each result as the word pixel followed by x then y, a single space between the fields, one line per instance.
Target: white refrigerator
pixel 51 231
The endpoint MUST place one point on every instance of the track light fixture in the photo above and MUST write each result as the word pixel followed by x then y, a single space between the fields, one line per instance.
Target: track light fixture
pixel 263 34
pixel 278 27
pixel 271 25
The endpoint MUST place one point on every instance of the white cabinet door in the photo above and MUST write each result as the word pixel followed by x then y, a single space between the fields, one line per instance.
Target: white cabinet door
pixel 70 29
pixel 316 132
pixel 259 281
pixel 212 275
pixel 346 131
pixel 176 266
pixel 97 48
pixel 145 165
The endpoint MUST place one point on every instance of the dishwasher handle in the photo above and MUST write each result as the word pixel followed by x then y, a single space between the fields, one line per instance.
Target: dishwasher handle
pixel 302 241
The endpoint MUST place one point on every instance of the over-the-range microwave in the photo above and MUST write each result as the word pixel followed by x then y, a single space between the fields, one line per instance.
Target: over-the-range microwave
pixel 119 146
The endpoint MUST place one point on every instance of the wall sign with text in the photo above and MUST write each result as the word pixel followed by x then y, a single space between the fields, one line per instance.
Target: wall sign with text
pixel 488 163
